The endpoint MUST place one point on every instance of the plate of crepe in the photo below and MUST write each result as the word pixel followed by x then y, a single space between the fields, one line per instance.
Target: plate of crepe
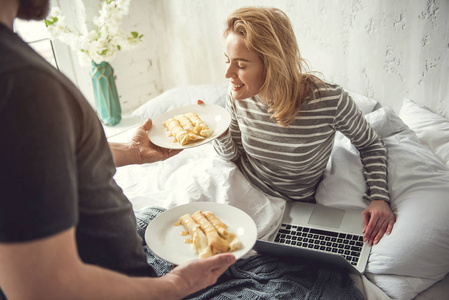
pixel 215 117
pixel 165 239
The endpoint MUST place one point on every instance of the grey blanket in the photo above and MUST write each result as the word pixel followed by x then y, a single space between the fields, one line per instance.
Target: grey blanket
pixel 264 277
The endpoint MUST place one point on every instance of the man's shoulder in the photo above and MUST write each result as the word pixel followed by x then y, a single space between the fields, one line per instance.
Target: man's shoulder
pixel 21 66
pixel 17 56
pixel 12 49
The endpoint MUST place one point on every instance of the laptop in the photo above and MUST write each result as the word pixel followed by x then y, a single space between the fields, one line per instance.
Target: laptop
pixel 326 234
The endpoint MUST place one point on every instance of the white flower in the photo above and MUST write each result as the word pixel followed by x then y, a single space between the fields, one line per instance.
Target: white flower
pixel 101 44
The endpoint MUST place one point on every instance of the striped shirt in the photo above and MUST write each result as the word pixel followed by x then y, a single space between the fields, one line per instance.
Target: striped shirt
pixel 289 161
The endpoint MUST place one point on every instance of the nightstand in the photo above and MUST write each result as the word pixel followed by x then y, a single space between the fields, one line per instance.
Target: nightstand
pixel 123 131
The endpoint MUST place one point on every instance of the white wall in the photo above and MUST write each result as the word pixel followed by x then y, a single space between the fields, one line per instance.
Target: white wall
pixel 385 49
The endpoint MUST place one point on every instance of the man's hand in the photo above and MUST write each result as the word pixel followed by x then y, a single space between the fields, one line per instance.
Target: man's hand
pixel 148 152
pixel 50 268
pixel 378 218
pixel 140 150
pixel 199 273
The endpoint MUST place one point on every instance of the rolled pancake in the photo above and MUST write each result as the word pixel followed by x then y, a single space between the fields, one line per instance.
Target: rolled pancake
pixel 199 239
pixel 222 229
pixel 188 126
pixel 175 129
pixel 200 127
pixel 215 243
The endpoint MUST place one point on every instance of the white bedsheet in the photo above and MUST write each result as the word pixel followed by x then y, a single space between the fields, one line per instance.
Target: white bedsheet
pixel 198 174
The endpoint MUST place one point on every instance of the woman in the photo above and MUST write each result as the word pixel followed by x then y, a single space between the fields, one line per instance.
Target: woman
pixel 284 119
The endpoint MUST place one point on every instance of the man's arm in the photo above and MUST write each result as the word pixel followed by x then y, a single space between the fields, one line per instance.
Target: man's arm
pixel 139 150
pixel 50 268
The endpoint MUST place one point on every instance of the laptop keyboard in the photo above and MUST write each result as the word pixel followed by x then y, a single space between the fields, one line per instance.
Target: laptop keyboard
pixel 347 245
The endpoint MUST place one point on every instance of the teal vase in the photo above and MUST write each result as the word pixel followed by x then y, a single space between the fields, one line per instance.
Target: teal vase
pixel 107 102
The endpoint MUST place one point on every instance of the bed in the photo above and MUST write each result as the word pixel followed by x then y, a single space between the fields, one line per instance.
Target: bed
pixel 411 263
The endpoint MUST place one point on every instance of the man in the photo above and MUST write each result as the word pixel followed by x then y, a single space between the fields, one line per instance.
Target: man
pixel 66 229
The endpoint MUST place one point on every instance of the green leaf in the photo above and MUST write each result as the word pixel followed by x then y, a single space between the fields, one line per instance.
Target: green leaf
pixel 135 34
pixel 49 22
pixel 119 48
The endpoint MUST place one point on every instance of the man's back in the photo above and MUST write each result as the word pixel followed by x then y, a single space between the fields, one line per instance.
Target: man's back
pixel 58 164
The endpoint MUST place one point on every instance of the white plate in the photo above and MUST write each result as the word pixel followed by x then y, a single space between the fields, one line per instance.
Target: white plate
pixel 215 117
pixel 166 241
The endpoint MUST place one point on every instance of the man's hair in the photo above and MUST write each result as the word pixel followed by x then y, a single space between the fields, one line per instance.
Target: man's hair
pixel 33 9
pixel 269 33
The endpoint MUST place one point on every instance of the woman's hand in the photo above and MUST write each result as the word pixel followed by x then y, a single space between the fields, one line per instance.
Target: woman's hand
pixel 378 218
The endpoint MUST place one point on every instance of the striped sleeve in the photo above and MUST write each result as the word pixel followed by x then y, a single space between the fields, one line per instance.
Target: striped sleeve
pixel 350 121
pixel 228 145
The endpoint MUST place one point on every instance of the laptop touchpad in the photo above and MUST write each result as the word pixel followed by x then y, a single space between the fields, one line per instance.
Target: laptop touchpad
pixel 326 216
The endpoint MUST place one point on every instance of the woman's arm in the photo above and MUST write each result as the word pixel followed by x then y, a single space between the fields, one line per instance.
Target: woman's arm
pixel 228 144
pixel 377 217
pixel 350 121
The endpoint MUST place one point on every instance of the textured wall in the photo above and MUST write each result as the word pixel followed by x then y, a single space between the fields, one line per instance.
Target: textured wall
pixel 384 49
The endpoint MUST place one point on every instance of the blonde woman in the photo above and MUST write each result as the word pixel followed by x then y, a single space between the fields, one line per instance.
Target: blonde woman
pixel 284 119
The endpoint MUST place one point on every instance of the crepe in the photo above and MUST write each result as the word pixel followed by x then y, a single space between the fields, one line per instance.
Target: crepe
pixel 209 235
pixel 186 128
pixel 222 229
pixel 200 127
pixel 199 240
pixel 175 129
pixel 215 243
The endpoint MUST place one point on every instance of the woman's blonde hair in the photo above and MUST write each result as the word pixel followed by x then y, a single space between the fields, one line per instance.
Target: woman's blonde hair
pixel 268 32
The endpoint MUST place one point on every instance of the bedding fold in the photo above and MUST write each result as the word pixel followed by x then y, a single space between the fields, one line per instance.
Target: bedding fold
pixel 198 175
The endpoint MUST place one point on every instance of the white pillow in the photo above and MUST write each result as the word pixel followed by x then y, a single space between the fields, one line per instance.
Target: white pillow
pixel 432 129
pixel 417 250
pixel 343 183
pixel 366 104
pixel 181 96
pixel 213 94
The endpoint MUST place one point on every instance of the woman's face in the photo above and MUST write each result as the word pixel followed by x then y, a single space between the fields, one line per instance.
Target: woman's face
pixel 245 68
